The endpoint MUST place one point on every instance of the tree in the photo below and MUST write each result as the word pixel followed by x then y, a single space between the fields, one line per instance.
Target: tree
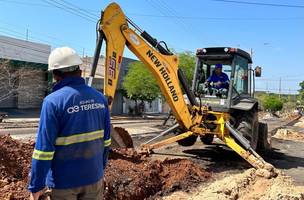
pixel 272 103
pixel 20 80
pixel 187 64
pixel 301 92
pixel 140 84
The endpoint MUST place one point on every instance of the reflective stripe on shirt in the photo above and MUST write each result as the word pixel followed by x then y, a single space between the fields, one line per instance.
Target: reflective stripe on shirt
pixel 43 155
pixel 83 137
pixel 107 142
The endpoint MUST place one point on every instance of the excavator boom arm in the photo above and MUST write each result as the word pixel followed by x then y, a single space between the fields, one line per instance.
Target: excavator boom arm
pixel 118 34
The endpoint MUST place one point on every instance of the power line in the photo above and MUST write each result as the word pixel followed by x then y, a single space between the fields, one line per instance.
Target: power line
pixel 69 5
pixel 275 89
pixel 163 9
pixel 261 4
pixel 24 46
pixel 69 10
pixel 85 11
pixel 217 18
pixel 283 80
pixel 32 53
pixel 52 39
pixel 19 35
pixel 24 3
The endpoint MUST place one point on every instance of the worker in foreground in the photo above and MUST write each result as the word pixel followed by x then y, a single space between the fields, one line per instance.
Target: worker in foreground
pixel 73 137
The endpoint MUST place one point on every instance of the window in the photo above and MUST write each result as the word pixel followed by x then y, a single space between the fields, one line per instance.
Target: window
pixel 241 75
pixel 204 71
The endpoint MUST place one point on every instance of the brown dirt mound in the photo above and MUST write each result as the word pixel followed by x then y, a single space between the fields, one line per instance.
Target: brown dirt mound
pixel 129 175
pixel 123 133
pixel 15 159
pixel 137 178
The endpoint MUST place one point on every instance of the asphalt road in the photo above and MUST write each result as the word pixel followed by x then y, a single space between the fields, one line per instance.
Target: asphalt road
pixel 216 158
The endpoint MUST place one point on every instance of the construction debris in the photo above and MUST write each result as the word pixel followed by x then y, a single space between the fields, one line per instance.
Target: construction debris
pixel 288 134
pixel 246 186
pixel 300 123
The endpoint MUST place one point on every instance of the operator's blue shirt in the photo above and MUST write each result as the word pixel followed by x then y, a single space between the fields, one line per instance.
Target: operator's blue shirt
pixel 223 78
pixel 73 137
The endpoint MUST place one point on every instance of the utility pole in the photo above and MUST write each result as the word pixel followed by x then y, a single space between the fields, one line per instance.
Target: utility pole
pixel 27 32
pixel 83 66
pixel 280 87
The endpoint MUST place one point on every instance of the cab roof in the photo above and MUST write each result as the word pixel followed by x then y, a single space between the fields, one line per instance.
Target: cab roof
pixel 222 53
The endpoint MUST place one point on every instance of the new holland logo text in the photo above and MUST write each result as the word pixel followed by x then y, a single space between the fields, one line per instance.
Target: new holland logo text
pixel 164 74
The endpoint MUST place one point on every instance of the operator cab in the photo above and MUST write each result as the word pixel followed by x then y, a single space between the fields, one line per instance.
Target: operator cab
pixel 235 63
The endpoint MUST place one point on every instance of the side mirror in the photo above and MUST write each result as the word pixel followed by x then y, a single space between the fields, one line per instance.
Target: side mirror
pixel 258 71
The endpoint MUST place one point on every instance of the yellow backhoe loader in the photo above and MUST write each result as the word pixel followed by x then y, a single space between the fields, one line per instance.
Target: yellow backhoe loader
pixel 199 115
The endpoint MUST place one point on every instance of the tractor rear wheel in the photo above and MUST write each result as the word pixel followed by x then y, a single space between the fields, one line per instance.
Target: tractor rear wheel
pixel 188 141
pixel 248 126
pixel 207 139
pixel 263 143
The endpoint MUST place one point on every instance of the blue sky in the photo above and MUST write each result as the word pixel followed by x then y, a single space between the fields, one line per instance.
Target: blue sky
pixel 275 33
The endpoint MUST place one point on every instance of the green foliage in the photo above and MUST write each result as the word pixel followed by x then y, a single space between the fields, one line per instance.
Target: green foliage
pixel 140 84
pixel 187 64
pixel 272 103
pixel 301 93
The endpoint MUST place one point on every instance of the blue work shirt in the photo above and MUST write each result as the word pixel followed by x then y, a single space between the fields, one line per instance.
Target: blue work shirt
pixel 223 78
pixel 73 137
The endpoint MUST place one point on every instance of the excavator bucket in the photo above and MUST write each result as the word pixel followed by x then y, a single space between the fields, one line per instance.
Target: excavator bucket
pixel 120 138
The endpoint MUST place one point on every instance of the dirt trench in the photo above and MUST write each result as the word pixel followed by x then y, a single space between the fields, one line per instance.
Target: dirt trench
pixel 129 175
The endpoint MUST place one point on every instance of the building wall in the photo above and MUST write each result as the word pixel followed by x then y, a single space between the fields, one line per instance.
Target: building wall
pixel 29 90
pixel 33 89
pixel 29 56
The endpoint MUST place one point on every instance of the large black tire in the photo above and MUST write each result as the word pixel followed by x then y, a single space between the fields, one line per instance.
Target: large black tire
pixel 263 143
pixel 207 139
pixel 189 141
pixel 248 126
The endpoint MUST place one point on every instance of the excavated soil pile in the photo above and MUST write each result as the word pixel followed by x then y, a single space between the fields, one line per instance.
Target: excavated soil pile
pixel 247 186
pixel 15 159
pixel 125 136
pixel 130 176
pixel 287 134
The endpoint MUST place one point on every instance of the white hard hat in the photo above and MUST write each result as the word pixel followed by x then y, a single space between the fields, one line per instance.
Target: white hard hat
pixel 63 57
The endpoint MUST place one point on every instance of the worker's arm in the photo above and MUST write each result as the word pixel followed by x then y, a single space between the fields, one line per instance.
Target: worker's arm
pixel 209 79
pixel 44 149
pixel 225 83
pixel 107 136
